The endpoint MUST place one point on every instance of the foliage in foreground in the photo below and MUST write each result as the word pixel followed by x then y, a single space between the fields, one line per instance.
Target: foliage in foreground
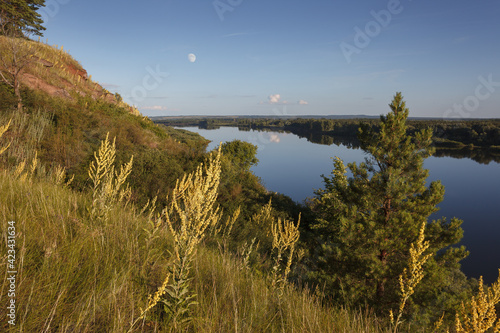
pixel 80 273
pixel 76 273
pixel 478 314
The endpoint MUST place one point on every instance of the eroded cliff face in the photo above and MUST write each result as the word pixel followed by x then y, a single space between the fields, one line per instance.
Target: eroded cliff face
pixel 53 71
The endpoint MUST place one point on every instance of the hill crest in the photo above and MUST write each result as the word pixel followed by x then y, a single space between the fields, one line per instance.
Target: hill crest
pixel 53 71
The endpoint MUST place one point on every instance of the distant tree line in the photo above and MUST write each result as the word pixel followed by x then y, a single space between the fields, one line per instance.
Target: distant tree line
pixel 457 134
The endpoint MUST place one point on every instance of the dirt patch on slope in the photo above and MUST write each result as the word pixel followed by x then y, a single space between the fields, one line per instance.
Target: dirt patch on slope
pixel 36 83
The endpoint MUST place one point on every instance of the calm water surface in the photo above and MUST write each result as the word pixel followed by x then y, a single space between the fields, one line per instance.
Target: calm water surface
pixel 293 166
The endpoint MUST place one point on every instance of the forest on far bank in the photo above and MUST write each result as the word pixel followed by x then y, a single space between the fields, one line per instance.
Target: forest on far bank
pixel 477 139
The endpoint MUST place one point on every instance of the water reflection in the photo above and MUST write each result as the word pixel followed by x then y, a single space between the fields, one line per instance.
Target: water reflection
pixel 477 154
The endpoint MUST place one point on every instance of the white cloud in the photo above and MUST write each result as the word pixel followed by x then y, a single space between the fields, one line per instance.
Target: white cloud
pixel 155 108
pixel 274 99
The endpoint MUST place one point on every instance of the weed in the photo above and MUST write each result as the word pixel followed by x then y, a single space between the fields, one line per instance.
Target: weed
pixel 412 275
pixel 191 212
pixel 3 129
pixel 479 314
pixel 108 185
pixel 285 236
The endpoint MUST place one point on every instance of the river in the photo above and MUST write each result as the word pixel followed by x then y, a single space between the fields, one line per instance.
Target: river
pixel 293 166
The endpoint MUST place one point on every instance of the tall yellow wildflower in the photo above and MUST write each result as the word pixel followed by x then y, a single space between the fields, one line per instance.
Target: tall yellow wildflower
pixel 4 129
pixel 59 174
pixel 192 208
pixel 285 236
pixel 108 184
pixel 479 314
pixel 23 172
pixel 412 275
pixel 191 212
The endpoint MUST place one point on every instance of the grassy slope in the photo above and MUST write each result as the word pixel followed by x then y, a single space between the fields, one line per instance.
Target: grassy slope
pixel 75 273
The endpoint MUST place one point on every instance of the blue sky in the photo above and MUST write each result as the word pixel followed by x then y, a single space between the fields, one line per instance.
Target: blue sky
pixel 287 57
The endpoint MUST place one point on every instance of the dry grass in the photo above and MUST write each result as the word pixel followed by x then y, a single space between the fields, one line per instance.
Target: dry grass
pixel 79 275
pixel 73 273
pixel 3 129
pixel 234 299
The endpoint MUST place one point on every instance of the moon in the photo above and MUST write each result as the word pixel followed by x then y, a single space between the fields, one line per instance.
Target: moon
pixel 191 57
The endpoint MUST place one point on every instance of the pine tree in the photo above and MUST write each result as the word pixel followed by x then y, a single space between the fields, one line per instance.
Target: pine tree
pixel 367 222
pixel 20 18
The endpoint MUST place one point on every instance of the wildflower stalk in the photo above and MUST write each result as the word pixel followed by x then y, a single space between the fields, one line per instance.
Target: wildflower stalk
pixel 152 301
pixel 22 172
pixel 108 184
pixel 4 129
pixel 191 212
pixel 59 174
pixel 412 275
pixel 285 236
pixel 479 314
